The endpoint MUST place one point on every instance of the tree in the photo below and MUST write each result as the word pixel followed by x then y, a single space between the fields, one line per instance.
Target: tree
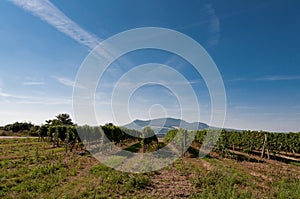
pixel 64 119
pixel 17 127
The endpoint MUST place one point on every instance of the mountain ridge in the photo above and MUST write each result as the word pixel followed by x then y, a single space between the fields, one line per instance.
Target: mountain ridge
pixel 163 125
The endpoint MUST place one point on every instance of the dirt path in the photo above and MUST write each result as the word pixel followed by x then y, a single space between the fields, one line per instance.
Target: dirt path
pixel 170 184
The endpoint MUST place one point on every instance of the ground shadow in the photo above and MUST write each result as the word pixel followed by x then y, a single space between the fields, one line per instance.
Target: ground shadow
pixel 241 157
pixel 134 148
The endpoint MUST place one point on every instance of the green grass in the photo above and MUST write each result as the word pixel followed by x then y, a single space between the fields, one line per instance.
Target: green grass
pixel 218 183
pixel 31 169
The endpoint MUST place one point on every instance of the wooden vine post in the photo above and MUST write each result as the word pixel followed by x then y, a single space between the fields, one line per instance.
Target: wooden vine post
pixel 184 134
pixel 264 148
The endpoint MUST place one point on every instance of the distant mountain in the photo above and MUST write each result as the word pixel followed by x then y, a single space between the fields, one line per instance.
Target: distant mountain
pixel 163 125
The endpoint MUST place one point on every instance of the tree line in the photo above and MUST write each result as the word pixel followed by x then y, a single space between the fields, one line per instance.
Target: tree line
pixel 26 128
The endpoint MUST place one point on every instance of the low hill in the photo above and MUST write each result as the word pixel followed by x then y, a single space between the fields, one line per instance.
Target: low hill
pixel 163 125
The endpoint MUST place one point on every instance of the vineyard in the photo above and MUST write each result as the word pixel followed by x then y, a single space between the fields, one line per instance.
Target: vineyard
pixel 62 132
pixel 30 168
pixel 265 143
pixel 58 163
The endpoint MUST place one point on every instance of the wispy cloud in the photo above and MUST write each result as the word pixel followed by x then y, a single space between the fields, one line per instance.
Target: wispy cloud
pixel 244 107
pixel 278 78
pixel 296 107
pixel 3 94
pixel 214 26
pixel 46 101
pixel 213 22
pixel 33 83
pixel 22 99
pixel 65 81
pixel 268 78
pixel 46 11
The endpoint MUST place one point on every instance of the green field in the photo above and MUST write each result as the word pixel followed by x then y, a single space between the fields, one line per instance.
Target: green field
pixel 32 169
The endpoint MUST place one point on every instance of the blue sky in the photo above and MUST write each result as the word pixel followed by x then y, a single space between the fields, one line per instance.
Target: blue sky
pixel 255 45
